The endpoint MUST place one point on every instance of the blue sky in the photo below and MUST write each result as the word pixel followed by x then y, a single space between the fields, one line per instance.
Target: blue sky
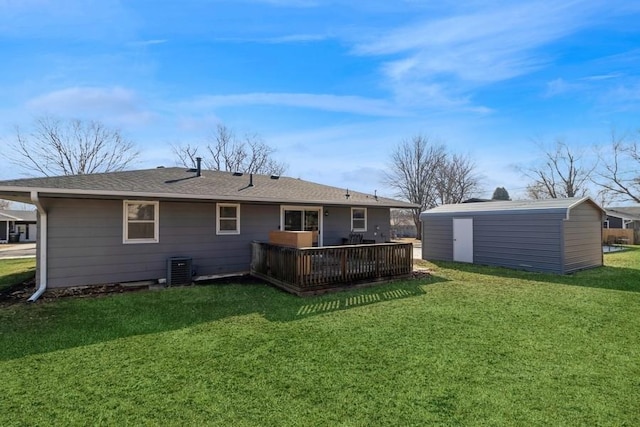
pixel 333 86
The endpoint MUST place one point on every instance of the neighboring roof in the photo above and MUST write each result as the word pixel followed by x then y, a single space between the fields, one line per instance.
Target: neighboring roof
pixel 626 212
pixel 181 183
pixel 476 200
pixel 520 206
pixel 13 215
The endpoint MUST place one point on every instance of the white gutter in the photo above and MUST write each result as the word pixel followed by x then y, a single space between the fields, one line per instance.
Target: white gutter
pixel 42 246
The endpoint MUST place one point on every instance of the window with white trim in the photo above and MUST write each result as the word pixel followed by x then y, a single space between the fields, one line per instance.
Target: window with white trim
pixel 228 218
pixel 358 219
pixel 141 221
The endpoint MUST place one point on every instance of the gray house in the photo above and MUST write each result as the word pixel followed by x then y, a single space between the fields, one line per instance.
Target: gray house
pixel 555 235
pixel 17 226
pixel 625 218
pixel 124 226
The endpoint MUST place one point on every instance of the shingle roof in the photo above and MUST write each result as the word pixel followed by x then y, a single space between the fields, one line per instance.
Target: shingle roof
pixel 13 215
pixel 559 205
pixel 181 183
pixel 626 212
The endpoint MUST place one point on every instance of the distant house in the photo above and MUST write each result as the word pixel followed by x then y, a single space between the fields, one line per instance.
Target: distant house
pixel 625 218
pixel 17 226
pixel 553 235
pixel 402 224
pixel 125 226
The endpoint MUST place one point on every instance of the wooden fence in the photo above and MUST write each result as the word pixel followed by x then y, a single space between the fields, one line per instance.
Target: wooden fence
pixel 617 236
pixel 312 270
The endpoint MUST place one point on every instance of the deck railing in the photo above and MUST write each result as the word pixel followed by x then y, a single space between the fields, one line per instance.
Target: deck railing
pixel 310 270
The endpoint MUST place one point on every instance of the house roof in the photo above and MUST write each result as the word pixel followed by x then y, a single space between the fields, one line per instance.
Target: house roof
pixel 13 215
pixel 625 212
pixel 519 206
pixel 182 183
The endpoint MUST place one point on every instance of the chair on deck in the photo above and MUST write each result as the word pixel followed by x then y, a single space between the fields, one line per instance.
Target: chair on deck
pixel 353 239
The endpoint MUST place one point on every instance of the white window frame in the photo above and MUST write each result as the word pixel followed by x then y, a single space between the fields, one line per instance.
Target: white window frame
pixel 125 220
pixel 218 218
pixel 365 219
pixel 320 210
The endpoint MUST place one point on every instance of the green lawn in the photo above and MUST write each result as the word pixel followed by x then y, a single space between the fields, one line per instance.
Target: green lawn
pixel 470 346
pixel 13 271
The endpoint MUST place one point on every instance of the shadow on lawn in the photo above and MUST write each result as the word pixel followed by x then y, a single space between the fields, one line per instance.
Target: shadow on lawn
pixel 605 277
pixel 11 281
pixel 67 323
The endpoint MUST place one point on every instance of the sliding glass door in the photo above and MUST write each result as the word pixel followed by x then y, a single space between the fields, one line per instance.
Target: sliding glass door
pixel 294 218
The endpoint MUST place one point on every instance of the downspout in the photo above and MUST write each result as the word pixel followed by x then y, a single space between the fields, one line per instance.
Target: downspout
pixel 42 246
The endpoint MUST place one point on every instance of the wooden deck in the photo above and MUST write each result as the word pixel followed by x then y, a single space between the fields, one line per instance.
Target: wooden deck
pixel 313 270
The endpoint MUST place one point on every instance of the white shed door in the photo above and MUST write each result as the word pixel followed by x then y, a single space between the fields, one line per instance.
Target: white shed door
pixel 463 239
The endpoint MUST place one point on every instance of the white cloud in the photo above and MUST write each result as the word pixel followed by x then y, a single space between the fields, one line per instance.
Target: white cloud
pixel 115 104
pixel 295 38
pixel 289 3
pixel 66 18
pixel 603 77
pixel 446 58
pixel 559 86
pixel 325 102
pixel 145 43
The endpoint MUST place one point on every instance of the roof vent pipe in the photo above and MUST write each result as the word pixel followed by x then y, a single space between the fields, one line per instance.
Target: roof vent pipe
pixel 198 166
pixel 250 180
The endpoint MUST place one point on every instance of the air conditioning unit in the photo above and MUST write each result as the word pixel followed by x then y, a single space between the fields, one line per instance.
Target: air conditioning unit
pixel 178 271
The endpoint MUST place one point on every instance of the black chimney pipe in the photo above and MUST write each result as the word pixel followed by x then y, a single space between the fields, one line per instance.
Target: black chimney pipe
pixel 250 180
pixel 198 166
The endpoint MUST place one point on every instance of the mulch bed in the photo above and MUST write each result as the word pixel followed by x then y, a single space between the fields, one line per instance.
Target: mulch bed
pixel 21 292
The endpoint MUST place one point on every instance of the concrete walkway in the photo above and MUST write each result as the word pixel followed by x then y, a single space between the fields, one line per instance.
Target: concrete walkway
pixel 417 250
pixel 17 250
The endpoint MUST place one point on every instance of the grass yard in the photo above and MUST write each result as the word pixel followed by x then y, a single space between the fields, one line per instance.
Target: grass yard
pixel 14 271
pixel 469 346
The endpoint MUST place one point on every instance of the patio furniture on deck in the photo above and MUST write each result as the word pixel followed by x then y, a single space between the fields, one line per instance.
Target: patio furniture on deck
pixel 353 239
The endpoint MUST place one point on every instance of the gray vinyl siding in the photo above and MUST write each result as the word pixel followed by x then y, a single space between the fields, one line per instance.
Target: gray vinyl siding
pixel 337 225
pixel 542 240
pixel 85 239
pixel 437 238
pixel 582 238
pixel 522 241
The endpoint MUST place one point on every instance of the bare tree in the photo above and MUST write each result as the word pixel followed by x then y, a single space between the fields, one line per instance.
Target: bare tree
pixel 71 147
pixel 4 204
pixel 563 172
pixel 402 224
pixel 619 174
pixel 457 179
pixel 225 152
pixel 413 173
pixel 423 173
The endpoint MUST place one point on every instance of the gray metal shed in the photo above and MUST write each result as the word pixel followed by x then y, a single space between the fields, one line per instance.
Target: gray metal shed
pixel 555 235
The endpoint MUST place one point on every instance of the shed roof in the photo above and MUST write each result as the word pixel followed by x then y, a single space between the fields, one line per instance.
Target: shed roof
pixel 519 206
pixel 182 183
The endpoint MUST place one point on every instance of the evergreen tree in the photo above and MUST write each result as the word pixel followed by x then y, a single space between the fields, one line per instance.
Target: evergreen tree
pixel 500 193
